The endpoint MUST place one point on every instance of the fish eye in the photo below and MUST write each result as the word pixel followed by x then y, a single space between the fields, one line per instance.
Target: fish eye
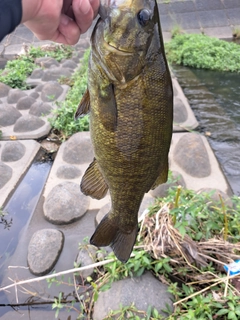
pixel 143 17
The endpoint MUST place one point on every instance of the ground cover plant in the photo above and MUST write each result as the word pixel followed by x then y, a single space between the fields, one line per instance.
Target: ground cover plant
pixel 63 121
pixel 201 51
pixel 16 71
pixel 185 239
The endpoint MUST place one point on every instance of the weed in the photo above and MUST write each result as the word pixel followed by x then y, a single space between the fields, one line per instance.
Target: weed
pixel 201 51
pixel 64 115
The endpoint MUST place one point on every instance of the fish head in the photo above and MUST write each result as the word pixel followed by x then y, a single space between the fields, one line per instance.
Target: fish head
pixel 123 35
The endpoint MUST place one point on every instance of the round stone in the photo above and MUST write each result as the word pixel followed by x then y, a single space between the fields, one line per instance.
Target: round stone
pixel 180 112
pixel 5 174
pixel 28 123
pixel 161 191
pixel 51 91
pixel 34 95
pixel 191 155
pixel 69 64
pixel 46 62
pixel 78 149
pixel 141 291
pixel 37 74
pixel 14 95
pixel 54 74
pixel 68 172
pixel 13 151
pixel 44 250
pixel 40 108
pixel 39 87
pixel 65 203
pixel 4 90
pixel 86 257
pixel 25 103
pixel 8 115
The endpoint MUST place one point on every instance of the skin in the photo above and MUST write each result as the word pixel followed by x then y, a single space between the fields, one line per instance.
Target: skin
pixel 61 21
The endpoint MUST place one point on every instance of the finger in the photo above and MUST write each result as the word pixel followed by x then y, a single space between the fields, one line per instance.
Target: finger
pixel 68 31
pixel 95 6
pixel 84 14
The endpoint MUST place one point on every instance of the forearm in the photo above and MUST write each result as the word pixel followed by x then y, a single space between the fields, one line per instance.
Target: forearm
pixel 10 16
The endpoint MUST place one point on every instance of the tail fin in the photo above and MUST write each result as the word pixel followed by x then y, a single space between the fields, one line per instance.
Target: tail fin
pixel 107 233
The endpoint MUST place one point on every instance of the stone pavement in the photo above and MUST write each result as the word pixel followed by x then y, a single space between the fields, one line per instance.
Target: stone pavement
pixel 63 214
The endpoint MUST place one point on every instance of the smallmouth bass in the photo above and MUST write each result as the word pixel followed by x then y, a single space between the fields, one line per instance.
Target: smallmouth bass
pixel 130 99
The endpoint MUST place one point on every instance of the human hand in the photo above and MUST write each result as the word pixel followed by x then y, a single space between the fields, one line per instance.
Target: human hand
pixel 61 21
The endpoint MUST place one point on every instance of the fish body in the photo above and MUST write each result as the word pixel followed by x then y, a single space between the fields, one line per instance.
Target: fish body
pixel 130 98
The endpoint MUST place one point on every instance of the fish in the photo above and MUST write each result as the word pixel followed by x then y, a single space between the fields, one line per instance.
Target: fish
pixel 130 100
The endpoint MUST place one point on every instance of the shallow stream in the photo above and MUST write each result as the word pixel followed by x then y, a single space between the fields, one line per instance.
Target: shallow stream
pixel 215 99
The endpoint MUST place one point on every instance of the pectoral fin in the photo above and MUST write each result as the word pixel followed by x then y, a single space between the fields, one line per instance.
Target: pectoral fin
pixel 109 234
pixel 93 183
pixel 84 106
pixel 163 176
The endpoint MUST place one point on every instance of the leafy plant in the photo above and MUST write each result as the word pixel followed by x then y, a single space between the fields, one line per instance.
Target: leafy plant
pixel 64 116
pixel 201 51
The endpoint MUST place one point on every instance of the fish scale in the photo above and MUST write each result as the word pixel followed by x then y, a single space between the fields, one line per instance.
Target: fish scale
pixel 130 99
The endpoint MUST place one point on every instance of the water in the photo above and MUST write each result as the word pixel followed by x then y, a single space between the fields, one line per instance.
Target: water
pixel 215 99
pixel 19 209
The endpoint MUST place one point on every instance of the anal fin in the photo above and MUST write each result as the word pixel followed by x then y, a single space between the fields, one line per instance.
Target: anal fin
pixel 109 234
pixel 93 183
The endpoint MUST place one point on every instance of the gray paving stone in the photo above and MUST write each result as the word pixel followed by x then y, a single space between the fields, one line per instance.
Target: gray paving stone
pixel 86 256
pixel 44 250
pixel 37 74
pixel 39 109
pixel 56 73
pixel 202 5
pixel 13 151
pixel 51 91
pixel 25 103
pixel 214 18
pixel 78 149
pixel 18 164
pixel 191 155
pixel 69 64
pixel 65 204
pixel 68 172
pixel 4 89
pixel 28 123
pixel 14 95
pixel 143 291
pixel 47 62
pixel 8 115
pixel 5 173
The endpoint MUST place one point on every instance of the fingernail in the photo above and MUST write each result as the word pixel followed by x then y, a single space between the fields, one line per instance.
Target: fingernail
pixel 84 6
pixel 64 19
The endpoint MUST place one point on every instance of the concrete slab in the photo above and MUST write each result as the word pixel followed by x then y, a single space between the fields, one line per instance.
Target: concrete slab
pixel 18 167
pixel 9 132
pixel 219 32
pixel 214 179
pixel 184 118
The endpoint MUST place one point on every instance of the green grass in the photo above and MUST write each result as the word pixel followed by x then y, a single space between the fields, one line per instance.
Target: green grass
pixel 201 51
pixel 64 116
pixel 201 291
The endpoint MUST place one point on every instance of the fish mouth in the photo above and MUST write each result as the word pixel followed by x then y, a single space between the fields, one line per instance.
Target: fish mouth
pixel 119 51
